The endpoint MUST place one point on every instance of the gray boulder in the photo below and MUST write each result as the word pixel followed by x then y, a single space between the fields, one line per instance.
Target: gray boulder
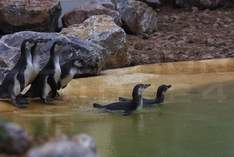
pixel 13 139
pixel 102 30
pixel 79 146
pixel 106 3
pixel 137 17
pixel 29 15
pixel 83 12
pixel 90 55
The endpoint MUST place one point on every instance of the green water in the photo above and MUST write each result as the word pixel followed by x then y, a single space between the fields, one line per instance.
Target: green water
pixel 198 122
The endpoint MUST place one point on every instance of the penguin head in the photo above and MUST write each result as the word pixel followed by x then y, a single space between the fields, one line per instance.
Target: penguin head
pixel 56 47
pixel 28 43
pixel 161 90
pixel 138 90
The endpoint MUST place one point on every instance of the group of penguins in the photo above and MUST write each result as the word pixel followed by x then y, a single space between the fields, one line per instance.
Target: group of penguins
pixel 44 82
pixel 137 102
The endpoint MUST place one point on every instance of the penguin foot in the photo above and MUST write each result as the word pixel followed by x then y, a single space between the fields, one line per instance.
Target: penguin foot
pixel 19 104
pixel 22 100
pixel 47 100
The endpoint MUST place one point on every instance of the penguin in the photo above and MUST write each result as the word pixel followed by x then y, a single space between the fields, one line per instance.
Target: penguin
pixel 69 70
pixel 127 106
pixel 17 78
pixel 158 99
pixel 46 83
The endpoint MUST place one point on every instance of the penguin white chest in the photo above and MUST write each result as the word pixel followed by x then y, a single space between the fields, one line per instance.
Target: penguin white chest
pixel 36 67
pixel 16 87
pixel 57 73
pixel 28 72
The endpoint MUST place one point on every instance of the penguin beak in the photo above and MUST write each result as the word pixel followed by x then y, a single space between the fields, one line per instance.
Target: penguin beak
pixel 146 85
pixel 169 86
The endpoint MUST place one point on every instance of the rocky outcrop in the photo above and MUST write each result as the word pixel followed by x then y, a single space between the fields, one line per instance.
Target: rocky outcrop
pixel 78 146
pixel 90 55
pixel 137 17
pixel 13 139
pixel 102 30
pixel 18 15
pixel 83 12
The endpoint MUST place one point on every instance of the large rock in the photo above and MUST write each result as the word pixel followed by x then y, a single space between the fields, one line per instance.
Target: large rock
pixel 102 30
pixel 83 12
pixel 137 17
pixel 18 15
pixel 106 3
pixel 79 146
pixel 90 55
pixel 13 139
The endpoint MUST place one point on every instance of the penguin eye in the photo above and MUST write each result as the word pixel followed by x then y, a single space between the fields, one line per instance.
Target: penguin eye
pixel 77 64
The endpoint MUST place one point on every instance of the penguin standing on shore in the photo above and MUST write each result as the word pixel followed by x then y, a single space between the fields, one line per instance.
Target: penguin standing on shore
pixel 159 98
pixel 127 106
pixel 69 70
pixel 16 80
pixel 46 84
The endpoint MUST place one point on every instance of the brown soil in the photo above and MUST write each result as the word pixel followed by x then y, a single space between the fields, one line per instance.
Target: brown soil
pixel 186 35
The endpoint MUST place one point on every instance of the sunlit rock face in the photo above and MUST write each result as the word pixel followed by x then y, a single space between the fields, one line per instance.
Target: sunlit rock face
pixel 13 139
pixel 137 17
pixel 83 12
pixel 19 15
pixel 89 55
pixel 102 30
pixel 78 146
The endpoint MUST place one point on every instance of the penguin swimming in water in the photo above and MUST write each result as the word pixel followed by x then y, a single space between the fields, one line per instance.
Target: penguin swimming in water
pixel 127 106
pixel 16 80
pixel 46 84
pixel 158 99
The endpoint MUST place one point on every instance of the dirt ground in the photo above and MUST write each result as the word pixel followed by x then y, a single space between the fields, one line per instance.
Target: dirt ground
pixel 186 35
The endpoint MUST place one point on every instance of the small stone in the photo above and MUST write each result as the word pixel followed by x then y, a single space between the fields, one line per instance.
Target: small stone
pixel 13 139
pixel 79 146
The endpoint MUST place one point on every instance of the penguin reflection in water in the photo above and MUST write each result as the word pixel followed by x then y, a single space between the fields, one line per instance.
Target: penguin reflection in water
pixel 46 84
pixel 20 76
pixel 127 106
pixel 159 98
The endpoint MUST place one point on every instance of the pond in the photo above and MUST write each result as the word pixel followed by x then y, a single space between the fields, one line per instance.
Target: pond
pixel 195 120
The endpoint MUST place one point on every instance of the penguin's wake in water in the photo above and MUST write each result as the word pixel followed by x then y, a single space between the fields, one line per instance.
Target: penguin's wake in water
pixel 159 98
pixel 18 78
pixel 46 84
pixel 127 106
